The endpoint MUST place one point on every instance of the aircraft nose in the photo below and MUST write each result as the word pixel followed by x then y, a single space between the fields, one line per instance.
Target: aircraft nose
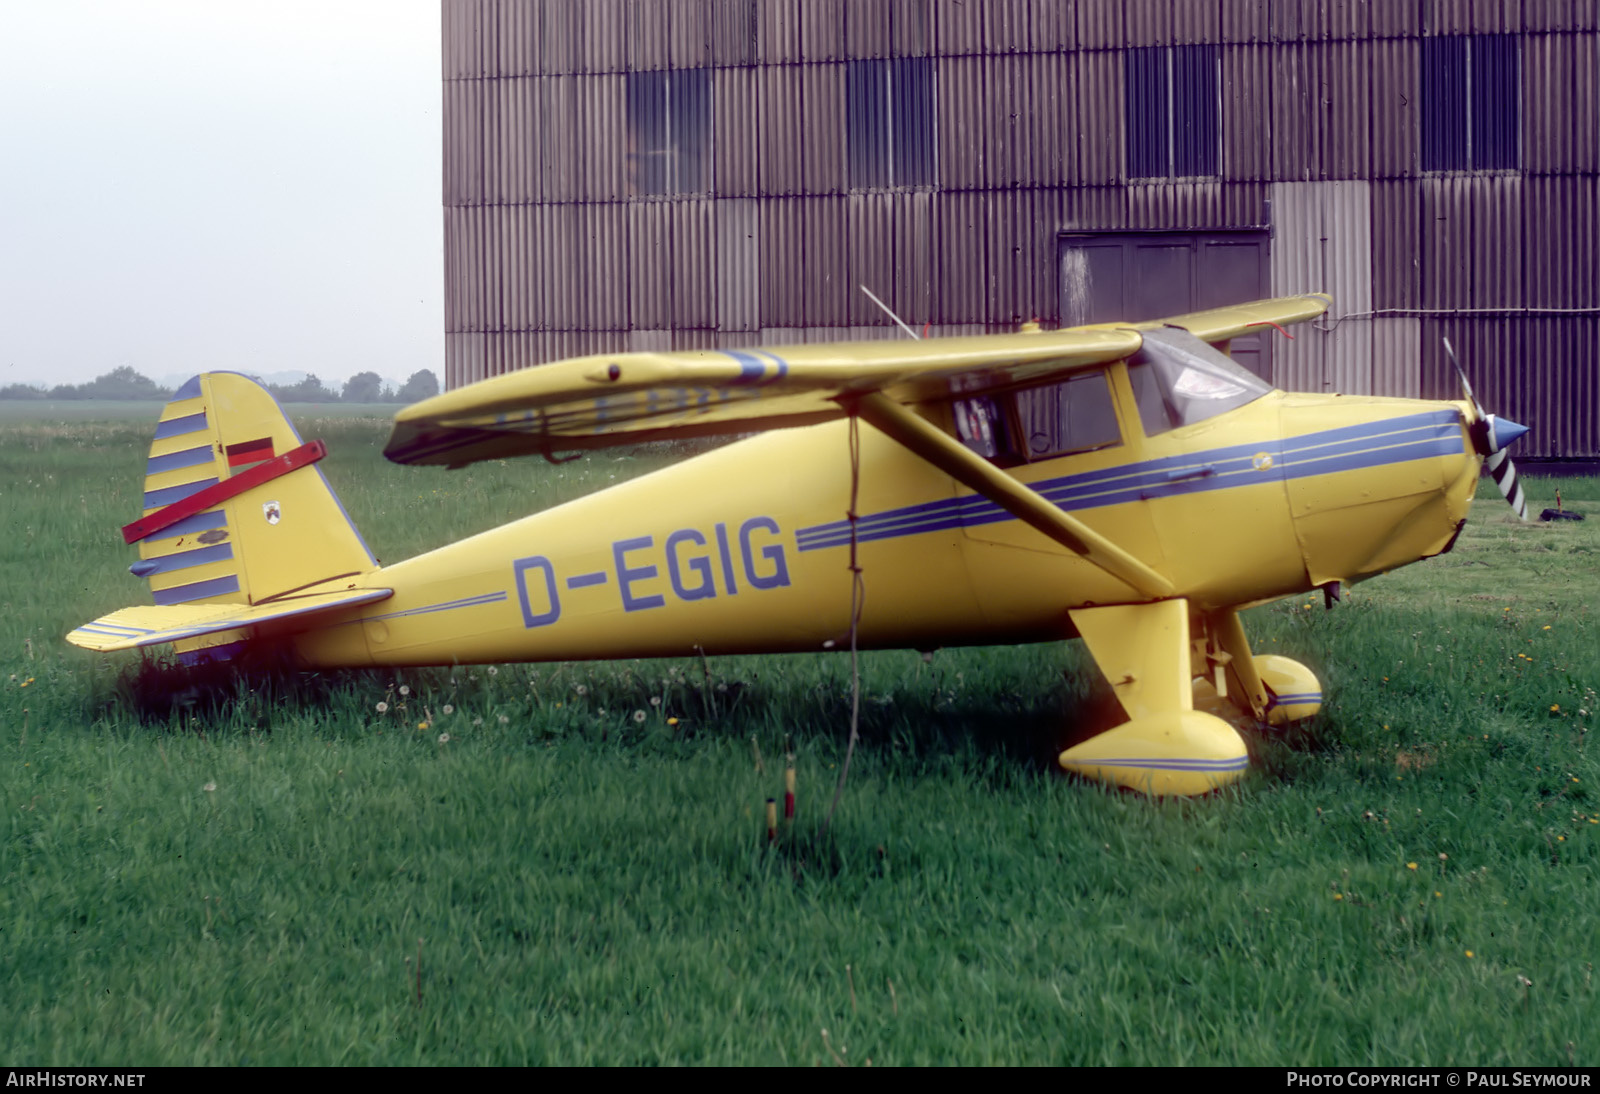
pixel 1491 434
pixel 1503 432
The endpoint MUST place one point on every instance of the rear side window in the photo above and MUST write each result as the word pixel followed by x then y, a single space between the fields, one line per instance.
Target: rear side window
pixel 1179 380
pixel 981 426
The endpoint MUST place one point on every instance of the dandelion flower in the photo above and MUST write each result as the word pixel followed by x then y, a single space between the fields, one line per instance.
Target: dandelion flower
pixel 1469 952
pixel 26 682
pixel 1437 893
pixel 638 716
pixel 674 721
pixel 1336 896
pixel 383 708
pixel 422 725
pixel 1411 866
pixel 444 738
pixel 1555 708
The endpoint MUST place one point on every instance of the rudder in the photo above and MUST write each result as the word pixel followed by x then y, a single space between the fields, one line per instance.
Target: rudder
pixel 285 534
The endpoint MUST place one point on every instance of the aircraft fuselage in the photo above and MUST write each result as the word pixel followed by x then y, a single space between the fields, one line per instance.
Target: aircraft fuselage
pixel 748 548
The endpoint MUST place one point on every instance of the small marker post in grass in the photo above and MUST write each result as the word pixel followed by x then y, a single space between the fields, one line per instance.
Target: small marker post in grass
pixel 788 784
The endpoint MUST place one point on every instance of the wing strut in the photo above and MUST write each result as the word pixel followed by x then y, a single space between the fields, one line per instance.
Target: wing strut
pixel 1020 500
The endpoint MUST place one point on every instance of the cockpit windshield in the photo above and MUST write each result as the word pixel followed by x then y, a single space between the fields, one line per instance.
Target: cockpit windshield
pixel 1179 380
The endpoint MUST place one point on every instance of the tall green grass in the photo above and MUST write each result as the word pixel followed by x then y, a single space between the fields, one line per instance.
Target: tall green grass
pixel 248 869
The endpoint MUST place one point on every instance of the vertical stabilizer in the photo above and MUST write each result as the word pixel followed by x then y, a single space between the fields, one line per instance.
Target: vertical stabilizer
pixel 251 525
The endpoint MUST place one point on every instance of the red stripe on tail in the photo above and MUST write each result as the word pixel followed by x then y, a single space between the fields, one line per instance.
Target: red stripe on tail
pixel 198 502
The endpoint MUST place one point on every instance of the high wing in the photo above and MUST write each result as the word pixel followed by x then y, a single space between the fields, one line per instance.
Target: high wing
pixel 613 399
pixel 153 624
pixel 1224 324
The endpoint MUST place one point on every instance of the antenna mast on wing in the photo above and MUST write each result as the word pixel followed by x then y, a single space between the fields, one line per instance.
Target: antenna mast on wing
pixel 872 297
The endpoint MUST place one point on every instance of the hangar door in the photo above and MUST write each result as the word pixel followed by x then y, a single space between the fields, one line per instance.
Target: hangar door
pixel 1131 276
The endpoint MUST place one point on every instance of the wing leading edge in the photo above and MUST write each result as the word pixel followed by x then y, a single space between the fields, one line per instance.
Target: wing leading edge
pixel 607 400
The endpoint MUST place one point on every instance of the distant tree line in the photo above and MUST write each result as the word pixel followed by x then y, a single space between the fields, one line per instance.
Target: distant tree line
pixel 125 383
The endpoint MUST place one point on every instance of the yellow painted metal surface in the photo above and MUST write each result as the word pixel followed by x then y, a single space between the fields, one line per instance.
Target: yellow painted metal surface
pixel 131 628
pixel 1144 542
pixel 1143 649
pixel 1184 752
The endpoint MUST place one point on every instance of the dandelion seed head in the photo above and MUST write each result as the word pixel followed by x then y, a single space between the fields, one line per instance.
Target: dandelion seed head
pixel 383 708
pixel 504 720
pixel 448 709
pixel 405 689
pixel 582 689
pixel 444 738
pixel 638 716
pixel 209 787
pixel 493 671
pixel 655 700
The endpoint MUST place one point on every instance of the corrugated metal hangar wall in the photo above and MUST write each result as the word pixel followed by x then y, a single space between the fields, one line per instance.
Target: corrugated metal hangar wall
pixel 670 174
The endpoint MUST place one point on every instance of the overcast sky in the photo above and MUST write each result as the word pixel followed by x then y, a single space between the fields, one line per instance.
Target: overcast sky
pixel 219 184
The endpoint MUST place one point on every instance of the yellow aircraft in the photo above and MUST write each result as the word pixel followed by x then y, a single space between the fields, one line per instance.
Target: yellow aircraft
pixel 1123 483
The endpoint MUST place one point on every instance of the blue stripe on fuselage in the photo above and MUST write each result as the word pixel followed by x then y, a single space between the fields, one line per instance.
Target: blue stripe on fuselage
pixel 1348 448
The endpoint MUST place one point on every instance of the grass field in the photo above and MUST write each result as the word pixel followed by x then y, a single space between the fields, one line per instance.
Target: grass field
pixel 567 863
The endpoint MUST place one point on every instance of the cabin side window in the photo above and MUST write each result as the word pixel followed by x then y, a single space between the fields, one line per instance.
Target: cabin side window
pixel 1076 415
pixel 1061 419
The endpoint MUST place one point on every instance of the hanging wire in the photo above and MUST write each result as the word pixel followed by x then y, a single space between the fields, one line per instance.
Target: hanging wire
pixel 858 594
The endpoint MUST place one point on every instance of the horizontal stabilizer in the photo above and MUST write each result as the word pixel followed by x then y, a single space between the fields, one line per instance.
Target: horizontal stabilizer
pixel 154 624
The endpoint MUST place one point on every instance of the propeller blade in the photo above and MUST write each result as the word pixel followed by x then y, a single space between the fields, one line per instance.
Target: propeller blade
pixel 1490 436
pixel 1504 473
pixel 1461 374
